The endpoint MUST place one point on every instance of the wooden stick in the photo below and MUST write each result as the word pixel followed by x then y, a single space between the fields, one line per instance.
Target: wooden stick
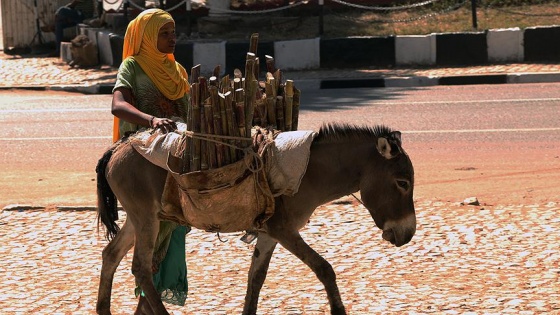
pixel 288 103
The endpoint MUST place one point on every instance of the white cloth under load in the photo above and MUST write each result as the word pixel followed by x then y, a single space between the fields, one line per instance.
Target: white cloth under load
pixel 287 157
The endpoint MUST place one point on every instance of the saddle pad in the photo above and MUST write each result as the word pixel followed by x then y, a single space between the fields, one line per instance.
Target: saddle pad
pixel 155 146
pixel 289 156
pixel 286 159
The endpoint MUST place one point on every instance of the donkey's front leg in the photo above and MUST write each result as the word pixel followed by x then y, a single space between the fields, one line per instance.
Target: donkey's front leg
pixel 293 242
pixel 257 273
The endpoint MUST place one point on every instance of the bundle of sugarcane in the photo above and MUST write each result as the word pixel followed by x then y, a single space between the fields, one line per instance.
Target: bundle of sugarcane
pixel 224 111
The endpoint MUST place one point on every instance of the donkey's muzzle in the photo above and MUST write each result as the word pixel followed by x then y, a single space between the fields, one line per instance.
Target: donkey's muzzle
pixel 400 232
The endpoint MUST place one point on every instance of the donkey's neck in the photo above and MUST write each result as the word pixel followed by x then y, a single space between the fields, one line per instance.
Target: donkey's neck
pixel 335 167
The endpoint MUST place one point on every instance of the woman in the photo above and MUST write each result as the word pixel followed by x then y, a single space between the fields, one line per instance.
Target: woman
pixel 151 88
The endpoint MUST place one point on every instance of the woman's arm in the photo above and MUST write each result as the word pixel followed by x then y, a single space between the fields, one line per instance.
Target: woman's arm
pixel 122 107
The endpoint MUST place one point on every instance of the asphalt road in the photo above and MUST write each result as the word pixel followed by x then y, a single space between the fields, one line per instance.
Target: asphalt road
pixel 454 134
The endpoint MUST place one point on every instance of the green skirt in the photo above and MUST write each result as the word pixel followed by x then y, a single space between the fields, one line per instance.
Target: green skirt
pixel 170 280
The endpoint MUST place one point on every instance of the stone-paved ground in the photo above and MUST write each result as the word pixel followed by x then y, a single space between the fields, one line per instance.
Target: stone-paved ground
pixel 463 260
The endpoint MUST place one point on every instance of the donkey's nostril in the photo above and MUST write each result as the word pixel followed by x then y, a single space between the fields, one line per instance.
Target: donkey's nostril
pixel 389 236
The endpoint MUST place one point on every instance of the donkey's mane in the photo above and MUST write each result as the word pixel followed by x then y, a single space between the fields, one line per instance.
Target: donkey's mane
pixel 343 131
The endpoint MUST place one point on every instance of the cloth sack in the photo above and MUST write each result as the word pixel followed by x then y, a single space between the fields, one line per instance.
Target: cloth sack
pixel 84 52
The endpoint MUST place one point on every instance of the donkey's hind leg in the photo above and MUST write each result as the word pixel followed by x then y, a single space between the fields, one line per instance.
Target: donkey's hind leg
pixel 257 273
pixel 146 234
pixel 112 256
pixel 293 242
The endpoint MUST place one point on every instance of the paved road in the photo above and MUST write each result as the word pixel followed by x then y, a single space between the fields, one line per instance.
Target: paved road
pixel 498 258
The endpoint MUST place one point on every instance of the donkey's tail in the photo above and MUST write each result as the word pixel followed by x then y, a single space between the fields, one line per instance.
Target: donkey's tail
pixel 107 212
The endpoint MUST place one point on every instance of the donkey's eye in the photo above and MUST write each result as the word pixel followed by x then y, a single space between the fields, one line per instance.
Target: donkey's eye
pixel 404 184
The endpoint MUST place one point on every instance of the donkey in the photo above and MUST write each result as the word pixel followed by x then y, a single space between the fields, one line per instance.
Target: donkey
pixel 344 159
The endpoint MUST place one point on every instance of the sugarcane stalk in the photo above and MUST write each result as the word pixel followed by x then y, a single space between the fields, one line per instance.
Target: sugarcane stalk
pixel 288 104
pixel 195 73
pixel 271 101
pixel 295 114
pixel 216 71
pixel 216 112
pixel 280 113
pixel 237 73
pixel 210 147
pixel 213 81
pixel 195 126
pixel 224 128
pixel 231 127
pixel 270 67
pixel 260 111
pixel 249 68
pixel 250 103
pixel 240 113
pixel 278 77
pixel 225 85
pixel 256 68
pixel 254 43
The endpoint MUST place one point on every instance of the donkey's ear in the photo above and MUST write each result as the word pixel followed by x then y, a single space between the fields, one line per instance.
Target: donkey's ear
pixel 396 135
pixel 389 148
pixel 384 147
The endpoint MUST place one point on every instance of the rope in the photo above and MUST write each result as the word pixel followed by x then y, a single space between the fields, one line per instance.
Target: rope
pixel 218 10
pixel 404 7
pixel 425 16
pixel 168 10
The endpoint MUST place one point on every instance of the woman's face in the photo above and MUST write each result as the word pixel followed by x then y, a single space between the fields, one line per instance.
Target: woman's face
pixel 167 38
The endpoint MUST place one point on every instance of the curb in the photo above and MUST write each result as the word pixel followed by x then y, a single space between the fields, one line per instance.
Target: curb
pixel 343 83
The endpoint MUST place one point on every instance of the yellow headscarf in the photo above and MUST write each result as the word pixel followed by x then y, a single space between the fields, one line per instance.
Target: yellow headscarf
pixel 140 43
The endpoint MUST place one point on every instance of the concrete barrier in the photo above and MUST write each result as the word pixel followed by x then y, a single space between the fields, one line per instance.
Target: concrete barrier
pixel 538 44
pixel 297 54
pixel 505 45
pixel 209 55
pixel 415 50
pixel 461 49
pixel 542 44
pixel 356 52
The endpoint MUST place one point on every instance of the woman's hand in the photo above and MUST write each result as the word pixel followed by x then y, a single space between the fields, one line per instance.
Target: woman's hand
pixel 164 124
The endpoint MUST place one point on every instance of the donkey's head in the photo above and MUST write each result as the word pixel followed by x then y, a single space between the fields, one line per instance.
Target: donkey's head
pixel 386 187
